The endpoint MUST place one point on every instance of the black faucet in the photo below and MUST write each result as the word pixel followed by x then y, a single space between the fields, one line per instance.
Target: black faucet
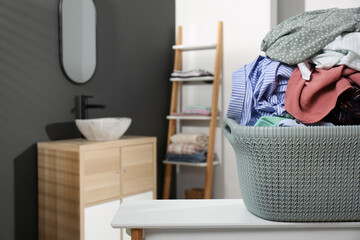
pixel 82 106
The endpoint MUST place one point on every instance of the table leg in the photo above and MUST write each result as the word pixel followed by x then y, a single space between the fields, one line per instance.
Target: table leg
pixel 136 234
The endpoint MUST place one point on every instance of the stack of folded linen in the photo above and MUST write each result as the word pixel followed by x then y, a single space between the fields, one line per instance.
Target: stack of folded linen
pixel 310 72
pixel 197 110
pixel 188 147
pixel 191 73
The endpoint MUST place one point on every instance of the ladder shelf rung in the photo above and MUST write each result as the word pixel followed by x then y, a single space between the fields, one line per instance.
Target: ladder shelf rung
pixel 191 164
pixel 192 117
pixel 192 79
pixel 194 47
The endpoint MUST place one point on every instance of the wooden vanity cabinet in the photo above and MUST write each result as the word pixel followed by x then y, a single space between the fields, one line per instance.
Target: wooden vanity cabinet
pixel 81 184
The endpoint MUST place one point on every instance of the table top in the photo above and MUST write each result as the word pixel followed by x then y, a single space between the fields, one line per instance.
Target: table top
pixel 213 213
pixel 76 144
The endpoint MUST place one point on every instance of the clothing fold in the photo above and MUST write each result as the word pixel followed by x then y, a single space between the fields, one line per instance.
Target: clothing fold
pixel 258 89
pixel 311 101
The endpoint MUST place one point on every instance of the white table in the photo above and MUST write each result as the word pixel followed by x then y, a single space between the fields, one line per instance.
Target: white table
pixel 224 219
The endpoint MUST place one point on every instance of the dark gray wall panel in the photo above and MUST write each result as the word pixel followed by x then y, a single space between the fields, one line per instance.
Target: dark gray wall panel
pixel 134 63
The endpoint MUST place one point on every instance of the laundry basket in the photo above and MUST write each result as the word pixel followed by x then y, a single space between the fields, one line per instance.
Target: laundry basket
pixel 299 174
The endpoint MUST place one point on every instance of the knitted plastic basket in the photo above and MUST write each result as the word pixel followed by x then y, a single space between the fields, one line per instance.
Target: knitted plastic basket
pixel 298 174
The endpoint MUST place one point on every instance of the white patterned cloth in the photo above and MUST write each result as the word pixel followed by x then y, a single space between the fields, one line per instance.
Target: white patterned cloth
pixel 305 69
pixel 191 73
pixel 344 50
pixel 300 37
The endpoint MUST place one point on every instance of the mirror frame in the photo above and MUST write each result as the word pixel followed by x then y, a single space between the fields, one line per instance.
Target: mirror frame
pixel 60 28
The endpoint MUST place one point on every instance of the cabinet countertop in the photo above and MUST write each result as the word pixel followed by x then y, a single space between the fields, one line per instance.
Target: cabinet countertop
pixel 81 143
pixel 214 213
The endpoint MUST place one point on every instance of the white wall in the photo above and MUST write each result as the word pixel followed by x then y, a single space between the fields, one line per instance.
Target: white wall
pixel 245 25
pixel 323 4
pixel 289 8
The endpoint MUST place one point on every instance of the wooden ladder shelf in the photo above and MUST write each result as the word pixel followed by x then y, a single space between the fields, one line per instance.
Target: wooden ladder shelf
pixel 179 48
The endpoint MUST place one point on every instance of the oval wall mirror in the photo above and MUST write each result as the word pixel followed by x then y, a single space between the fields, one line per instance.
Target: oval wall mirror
pixel 78 39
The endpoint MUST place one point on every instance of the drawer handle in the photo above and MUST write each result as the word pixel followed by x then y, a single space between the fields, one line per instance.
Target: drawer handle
pixel 125 170
pixel 118 172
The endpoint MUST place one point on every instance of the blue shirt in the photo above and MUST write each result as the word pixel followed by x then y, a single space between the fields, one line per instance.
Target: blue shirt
pixel 258 89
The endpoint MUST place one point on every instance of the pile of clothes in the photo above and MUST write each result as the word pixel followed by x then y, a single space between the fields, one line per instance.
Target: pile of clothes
pixel 309 76
pixel 185 147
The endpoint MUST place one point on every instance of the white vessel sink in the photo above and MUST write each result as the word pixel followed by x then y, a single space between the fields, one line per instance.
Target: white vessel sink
pixel 103 129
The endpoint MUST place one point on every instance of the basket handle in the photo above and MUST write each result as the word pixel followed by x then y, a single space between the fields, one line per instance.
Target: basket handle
pixel 227 129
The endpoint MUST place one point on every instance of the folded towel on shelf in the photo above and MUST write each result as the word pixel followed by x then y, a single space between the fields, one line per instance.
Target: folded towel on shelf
pixel 185 148
pixel 196 157
pixel 197 109
pixel 191 113
pixel 198 106
pixel 199 138
pixel 191 73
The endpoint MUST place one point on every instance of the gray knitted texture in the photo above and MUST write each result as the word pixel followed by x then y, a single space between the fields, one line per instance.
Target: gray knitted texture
pixel 298 174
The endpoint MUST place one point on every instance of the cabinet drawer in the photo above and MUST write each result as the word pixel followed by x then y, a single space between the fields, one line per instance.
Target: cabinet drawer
pixel 135 155
pixel 101 175
pixel 137 169
pixel 97 221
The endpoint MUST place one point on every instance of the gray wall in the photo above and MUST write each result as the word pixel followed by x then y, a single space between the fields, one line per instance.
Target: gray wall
pixel 289 8
pixel 134 62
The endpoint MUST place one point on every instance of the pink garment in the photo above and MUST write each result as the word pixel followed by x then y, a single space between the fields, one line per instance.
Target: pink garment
pixel 310 101
pixel 197 111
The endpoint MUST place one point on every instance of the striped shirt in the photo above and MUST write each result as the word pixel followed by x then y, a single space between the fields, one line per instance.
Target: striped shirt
pixel 258 89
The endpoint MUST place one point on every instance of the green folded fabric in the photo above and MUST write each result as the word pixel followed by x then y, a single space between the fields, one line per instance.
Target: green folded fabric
pixel 270 121
pixel 198 107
